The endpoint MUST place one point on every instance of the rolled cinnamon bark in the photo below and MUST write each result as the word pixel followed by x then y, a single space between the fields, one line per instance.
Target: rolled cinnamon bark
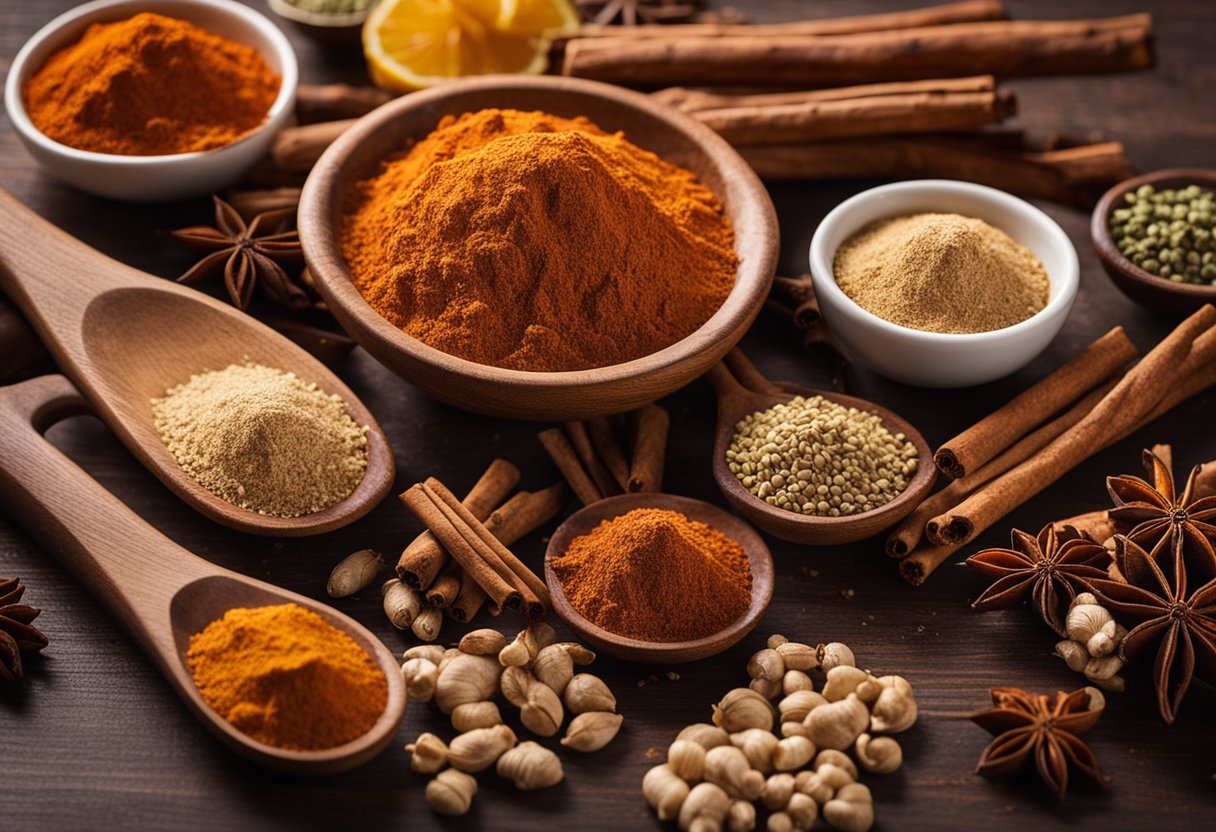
pixel 1014 48
pixel 250 203
pixel 963 12
pixel 923 562
pixel 424 558
pixel 525 512
pixel 994 433
pixel 746 373
pixel 469 599
pixel 558 446
pixel 1096 524
pixel 329 102
pixel 442 593
pixel 297 149
pixel 1155 382
pixel 649 449
pixel 592 464
pixel 603 439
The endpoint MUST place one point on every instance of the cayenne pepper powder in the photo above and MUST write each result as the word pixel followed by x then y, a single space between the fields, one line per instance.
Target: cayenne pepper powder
pixel 655 575
pixel 150 85
pixel 287 677
pixel 533 242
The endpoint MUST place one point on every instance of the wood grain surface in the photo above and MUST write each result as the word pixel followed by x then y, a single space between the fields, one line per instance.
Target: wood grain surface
pixel 99 741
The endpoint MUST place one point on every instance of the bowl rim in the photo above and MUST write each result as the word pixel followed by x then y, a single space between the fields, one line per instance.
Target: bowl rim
pixel 1104 242
pixel 322 20
pixel 80 16
pixel 823 274
pixel 320 246
pixel 759 559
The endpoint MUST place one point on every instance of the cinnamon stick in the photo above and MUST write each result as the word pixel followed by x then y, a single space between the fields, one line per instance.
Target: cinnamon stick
pixel 1096 524
pixel 424 558
pixel 995 432
pixel 908 107
pixel 650 426
pixel 1007 48
pixel 532 589
pixel 566 459
pixel 1151 384
pixel 329 102
pixel 922 563
pixel 592 464
pixel 746 373
pixel 469 599
pixel 442 593
pixel 1070 176
pixel 962 12
pixel 461 543
pixel 525 512
pixel 603 440
pixel 297 149
pixel 250 203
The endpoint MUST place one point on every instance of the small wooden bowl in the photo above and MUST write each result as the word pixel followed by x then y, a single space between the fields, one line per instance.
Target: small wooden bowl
pixel 735 402
pixel 535 395
pixel 651 652
pixel 1141 286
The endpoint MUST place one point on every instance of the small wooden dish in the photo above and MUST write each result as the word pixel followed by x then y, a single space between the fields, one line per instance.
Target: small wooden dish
pixel 1141 286
pixel 335 29
pixel 535 395
pixel 736 402
pixel 586 519
pixel 159 592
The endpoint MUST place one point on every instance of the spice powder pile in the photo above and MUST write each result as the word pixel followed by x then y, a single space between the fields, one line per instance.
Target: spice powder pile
pixel 150 85
pixel 813 456
pixel 655 575
pixel 941 273
pixel 533 242
pixel 287 677
pixel 263 439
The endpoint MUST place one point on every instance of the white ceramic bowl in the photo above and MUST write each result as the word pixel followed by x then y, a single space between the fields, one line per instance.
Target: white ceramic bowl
pixel 154 178
pixel 930 359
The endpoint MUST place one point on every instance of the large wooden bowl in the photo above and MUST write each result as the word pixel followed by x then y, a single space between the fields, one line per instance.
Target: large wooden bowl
pixel 1138 284
pixel 656 652
pixel 537 395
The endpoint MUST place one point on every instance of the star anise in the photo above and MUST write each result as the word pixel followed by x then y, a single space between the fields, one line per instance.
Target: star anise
pixel 1151 513
pixel 17 634
pixel 1182 623
pixel 1027 724
pixel 248 255
pixel 1050 568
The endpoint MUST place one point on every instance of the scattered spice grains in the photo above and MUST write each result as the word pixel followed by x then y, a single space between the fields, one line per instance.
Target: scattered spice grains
pixel 655 575
pixel 941 273
pixel 287 677
pixel 813 456
pixel 263 439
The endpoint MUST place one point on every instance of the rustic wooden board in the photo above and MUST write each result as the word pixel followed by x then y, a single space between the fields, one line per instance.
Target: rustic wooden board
pixel 101 741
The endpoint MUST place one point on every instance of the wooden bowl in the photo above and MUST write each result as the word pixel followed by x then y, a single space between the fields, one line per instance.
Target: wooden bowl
pixel 735 402
pixel 1141 286
pixel 537 395
pixel 652 652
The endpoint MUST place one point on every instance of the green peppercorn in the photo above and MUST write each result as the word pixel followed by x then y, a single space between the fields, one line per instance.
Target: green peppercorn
pixel 1168 233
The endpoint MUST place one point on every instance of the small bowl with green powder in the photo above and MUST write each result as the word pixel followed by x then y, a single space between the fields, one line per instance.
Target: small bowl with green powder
pixel 943 284
pixel 1156 237
pixel 328 21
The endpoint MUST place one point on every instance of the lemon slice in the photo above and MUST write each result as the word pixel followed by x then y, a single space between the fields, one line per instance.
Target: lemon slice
pixel 412 44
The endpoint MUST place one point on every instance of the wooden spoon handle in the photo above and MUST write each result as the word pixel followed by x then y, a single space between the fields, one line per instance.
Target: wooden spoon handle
pixel 123 560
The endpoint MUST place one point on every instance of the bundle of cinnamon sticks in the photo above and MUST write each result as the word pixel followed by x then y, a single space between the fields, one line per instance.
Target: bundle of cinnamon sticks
pixel 462 560
pixel 591 458
pixel 1083 407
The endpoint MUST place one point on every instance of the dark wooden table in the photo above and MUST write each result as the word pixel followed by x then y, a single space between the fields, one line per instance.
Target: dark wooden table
pixel 99 741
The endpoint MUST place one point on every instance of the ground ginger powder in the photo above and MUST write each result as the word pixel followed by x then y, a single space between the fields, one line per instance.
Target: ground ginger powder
pixel 941 273
pixel 286 677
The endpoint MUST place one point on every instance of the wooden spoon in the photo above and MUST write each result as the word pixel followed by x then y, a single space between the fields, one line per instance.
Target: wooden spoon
pixel 161 593
pixel 654 652
pixel 125 337
pixel 735 402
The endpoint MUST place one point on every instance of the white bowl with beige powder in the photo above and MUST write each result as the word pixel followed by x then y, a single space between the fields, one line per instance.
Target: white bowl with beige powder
pixel 942 341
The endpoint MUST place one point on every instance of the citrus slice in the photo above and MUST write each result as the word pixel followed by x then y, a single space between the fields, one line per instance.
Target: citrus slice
pixel 412 44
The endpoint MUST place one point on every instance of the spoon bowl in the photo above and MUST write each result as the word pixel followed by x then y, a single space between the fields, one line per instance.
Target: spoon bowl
pixel 653 652
pixel 736 402
pixel 125 337
pixel 161 593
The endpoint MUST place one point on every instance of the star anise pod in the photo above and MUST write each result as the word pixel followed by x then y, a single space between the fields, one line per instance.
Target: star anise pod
pixel 1182 623
pixel 1029 725
pixel 1050 568
pixel 248 255
pixel 17 634
pixel 1150 513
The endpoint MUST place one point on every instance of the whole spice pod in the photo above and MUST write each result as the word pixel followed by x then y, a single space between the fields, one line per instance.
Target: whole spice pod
pixel 354 573
pixel 401 604
pixel 592 731
pixel 479 749
pixel 530 766
pixel 451 792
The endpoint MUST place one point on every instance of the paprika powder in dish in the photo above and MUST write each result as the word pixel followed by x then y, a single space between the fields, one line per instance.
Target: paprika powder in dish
pixel 655 575
pixel 533 242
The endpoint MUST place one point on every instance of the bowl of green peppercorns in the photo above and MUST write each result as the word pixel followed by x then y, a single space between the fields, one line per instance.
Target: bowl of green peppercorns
pixel 1156 237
